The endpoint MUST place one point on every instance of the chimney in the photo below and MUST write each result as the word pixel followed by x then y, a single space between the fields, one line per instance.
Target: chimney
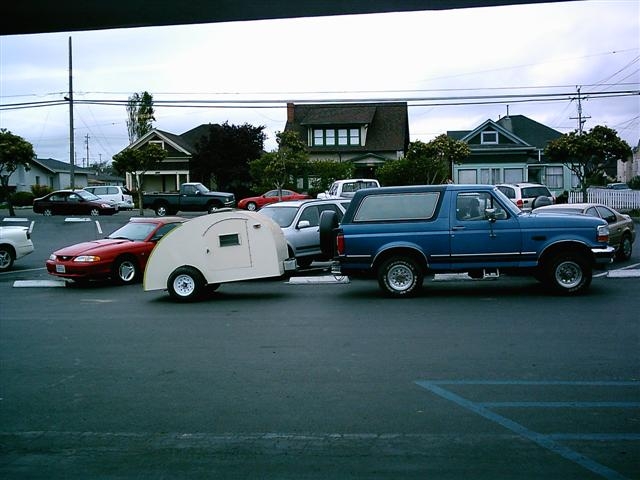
pixel 506 121
pixel 290 112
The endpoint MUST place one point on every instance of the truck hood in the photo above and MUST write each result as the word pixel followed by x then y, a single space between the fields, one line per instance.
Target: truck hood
pixel 558 220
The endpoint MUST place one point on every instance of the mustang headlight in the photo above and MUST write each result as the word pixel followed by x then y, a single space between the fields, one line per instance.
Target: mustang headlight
pixel 87 258
pixel 52 257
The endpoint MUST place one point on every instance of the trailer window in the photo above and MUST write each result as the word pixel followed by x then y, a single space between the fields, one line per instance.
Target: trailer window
pixel 229 240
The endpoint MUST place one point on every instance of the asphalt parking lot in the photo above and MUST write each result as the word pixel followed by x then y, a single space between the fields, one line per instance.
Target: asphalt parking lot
pixel 491 379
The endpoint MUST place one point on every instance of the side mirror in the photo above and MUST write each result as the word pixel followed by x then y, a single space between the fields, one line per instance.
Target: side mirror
pixel 490 214
pixel 304 224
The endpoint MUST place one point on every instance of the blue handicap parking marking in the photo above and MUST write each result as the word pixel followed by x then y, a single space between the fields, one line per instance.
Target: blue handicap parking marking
pixel 550 441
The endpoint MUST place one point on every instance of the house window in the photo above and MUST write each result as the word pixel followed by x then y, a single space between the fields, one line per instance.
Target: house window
pixel 490 176
pixel 159 143
pixel 555 177
pixel 467 176
pixel 37 179
pixel 513 175
pixel 336 136
pixel 489 137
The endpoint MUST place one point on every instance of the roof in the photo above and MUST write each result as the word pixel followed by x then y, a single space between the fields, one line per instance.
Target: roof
pixel 387 123
pixel 56 166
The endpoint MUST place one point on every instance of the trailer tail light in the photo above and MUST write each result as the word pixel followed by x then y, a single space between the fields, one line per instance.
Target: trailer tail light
pixel 340 244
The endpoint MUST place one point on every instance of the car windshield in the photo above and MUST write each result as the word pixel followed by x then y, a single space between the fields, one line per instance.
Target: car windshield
pixel 134 231
pixel 88 196
pixel 283 216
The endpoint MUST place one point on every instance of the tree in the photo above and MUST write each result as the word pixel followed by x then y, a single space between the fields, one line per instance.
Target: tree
pixel 324 173
pixel 137 162
pixel 424 163
pixel 587 155
pixel 139 115
pixel 284 166
pixel 222 156
pixel 14 152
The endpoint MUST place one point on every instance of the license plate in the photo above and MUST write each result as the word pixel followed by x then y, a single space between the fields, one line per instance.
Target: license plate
pixel 60 269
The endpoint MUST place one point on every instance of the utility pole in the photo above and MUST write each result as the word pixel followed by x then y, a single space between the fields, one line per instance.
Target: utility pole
pixel 72 159
pixel 86 142
pixel 581 119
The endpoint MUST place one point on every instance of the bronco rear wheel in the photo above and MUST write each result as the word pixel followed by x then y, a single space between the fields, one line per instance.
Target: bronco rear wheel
pixel 400 277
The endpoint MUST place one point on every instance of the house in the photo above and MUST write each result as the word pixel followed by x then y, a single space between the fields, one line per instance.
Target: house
pixel 631 168
pixel 511 150
pixel 49 172
pixel 174 169
pixel 365 134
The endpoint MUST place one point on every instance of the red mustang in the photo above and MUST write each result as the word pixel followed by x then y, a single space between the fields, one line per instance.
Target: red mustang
pixel 255 203
pixel 121 256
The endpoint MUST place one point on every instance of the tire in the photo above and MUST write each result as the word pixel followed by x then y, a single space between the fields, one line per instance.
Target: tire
pixel 94 212
pixel 212 207
pixel 625 248
pixel 186 284
pixel 328 223
pixel 47 212
pixel 161 210
pixel 125 271
pixel 252 207
pixel 569 273
pixel 6 258
pixel 400 277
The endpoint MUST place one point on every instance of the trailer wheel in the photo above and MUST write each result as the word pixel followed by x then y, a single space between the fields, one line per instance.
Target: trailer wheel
pixel 185 284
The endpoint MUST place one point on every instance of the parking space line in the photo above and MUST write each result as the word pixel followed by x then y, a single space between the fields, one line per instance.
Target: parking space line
pixel 560 404
pixel 546 441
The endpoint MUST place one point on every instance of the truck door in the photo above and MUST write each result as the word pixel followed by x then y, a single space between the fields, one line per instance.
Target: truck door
pixel 483 233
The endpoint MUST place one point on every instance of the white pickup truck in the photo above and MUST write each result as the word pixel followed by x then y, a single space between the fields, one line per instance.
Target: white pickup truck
pixel 347 188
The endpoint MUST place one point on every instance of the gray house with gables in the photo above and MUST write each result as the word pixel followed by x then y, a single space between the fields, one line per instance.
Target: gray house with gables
pixel 51 173
pixel 364 134
pixel 511 150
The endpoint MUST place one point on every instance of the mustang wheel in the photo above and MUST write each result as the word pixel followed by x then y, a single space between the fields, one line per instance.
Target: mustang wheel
pixel 251 206
pixel 94 212
pixel 125 271
pixel 185 284
pixel 400 277
pixel 47 212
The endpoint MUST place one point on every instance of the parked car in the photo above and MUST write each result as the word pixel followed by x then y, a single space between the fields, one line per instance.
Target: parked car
pixel 192 197
pixel 120 196
pixel 348 187
pixel 523 195
pixel 622 232
pixel 121 256
pixel 618 186
pixel 72 202
pixel 272 196
pixel 15 243
pixel 299 221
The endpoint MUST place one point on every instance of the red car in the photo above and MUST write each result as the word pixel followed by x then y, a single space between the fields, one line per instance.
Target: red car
pixel 255 203
pixel 121 256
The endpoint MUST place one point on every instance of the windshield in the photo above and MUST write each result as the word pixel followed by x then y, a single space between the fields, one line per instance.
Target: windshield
pixel 88 196
pixel 506 203
pixel 283 216
pixel 134 231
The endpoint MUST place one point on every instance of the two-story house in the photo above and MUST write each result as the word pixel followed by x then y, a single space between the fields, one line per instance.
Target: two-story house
pixel 511 150
pixel 365 134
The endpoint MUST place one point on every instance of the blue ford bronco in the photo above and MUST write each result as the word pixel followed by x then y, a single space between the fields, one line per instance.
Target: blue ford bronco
pixel 401 234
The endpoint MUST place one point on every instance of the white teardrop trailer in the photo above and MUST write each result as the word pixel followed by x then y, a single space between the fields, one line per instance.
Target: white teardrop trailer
pixel 225 246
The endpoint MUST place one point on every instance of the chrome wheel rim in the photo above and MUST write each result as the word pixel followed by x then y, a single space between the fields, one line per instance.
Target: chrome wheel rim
pixel 127 271
pixel 568 274
pixel 5 259
pixel 400 278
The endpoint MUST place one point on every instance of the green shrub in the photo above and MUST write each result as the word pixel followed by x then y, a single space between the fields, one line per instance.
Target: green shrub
pixel 635 182
pixel 22 199
pixel 40 190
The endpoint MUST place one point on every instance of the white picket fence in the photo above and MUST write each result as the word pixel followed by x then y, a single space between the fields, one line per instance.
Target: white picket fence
pixel 622 200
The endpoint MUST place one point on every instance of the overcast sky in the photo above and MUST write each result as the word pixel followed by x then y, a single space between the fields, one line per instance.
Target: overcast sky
pixel 435 60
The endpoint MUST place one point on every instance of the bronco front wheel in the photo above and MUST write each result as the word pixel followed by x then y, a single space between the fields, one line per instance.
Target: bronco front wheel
pixel 568 273
pixel 400 277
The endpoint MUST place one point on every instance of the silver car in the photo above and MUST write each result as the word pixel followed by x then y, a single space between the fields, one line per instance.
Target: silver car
pixel 300 220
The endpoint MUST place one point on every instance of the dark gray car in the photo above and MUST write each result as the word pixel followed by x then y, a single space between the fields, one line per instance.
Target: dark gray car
pixel 300 220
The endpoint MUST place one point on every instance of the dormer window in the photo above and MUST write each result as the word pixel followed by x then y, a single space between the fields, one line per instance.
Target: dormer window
pixel 328 137
pixel 489 137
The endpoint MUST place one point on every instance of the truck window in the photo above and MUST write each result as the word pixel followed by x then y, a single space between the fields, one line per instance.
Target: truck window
pixel 471 206
pixel 397 206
